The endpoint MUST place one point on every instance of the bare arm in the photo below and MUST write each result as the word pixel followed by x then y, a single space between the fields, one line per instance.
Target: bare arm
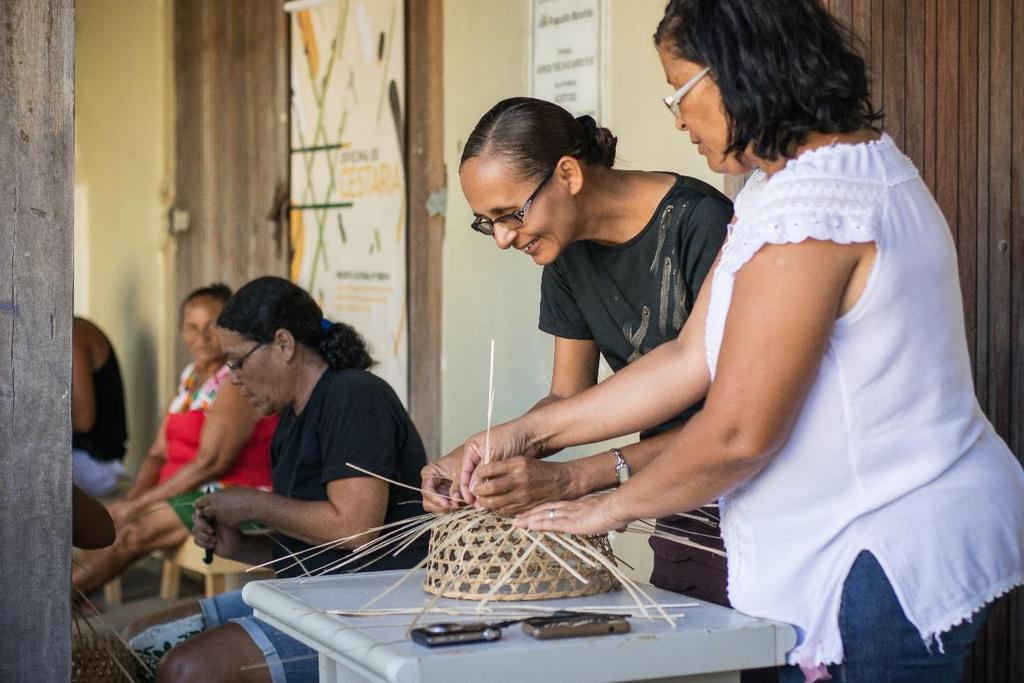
pixel 252 549
pixel 573 370
pixel 770 355
pixel 649 391
pixel 513 485
pixel 353 505
pixel 227 427
pixel 83 389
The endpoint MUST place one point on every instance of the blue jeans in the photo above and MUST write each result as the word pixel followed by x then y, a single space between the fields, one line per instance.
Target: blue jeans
pixel 880 643
pixel 288 660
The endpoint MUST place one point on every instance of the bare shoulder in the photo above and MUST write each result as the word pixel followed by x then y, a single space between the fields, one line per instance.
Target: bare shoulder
pixel 835 274
pixel 89 338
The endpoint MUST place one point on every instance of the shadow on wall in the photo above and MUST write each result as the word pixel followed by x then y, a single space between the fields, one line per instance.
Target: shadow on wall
pixel 139 365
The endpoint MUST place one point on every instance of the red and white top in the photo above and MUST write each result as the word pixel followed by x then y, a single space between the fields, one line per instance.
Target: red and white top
pixel 185 419
pixel 195 396
pixel 891 452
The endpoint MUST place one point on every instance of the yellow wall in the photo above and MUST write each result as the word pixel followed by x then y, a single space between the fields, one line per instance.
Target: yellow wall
pixel 123 172
pixel 489 293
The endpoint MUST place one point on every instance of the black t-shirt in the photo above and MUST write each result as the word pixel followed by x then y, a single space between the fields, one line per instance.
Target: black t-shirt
pixel 110 431
pixel 633 297
pixel 352 416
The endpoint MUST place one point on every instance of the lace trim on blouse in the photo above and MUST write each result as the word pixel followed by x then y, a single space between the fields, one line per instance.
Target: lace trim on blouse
pixel 831 209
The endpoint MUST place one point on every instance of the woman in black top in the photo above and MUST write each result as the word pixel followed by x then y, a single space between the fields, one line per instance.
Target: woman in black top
pixel 624 254
pixel 286 358
pixel 97 411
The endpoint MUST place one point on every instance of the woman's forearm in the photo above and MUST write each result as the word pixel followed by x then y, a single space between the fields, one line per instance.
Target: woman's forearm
pixel 149 474
pixel 255 549
pixel 597 472
pixel 189 477
pixel 696 464
pixel 651 390
pixel 310 521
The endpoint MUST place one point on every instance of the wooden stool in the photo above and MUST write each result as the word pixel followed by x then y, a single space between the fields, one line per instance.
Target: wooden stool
pixel 112 591
pixel 220 576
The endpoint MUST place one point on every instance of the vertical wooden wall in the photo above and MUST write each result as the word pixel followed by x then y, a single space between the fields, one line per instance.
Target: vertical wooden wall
pixel 36 220
pixel 231 140
pixel 426 173
pixel 949 75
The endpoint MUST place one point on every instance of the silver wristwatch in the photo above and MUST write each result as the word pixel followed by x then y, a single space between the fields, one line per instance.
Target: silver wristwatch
pixel 621 467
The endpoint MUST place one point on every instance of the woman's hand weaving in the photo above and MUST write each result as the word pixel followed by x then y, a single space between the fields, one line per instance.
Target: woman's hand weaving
pixel 504 442
pixel 514 485
pixel 587 516
pixel 440 482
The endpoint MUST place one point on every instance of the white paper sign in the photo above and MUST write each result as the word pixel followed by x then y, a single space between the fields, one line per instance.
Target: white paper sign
pixel 566 54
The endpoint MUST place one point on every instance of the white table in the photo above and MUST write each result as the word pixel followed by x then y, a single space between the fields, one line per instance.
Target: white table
pixel 709 645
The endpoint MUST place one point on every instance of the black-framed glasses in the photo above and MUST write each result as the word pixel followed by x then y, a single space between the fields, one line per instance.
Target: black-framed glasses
pixel 235 366
pixel 485 226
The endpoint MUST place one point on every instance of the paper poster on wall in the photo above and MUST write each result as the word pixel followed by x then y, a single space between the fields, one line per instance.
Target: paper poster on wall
pixel 347 171
pixel 566 54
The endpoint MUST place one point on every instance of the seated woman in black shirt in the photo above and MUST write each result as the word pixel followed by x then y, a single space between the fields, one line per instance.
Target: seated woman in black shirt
pixel 286 358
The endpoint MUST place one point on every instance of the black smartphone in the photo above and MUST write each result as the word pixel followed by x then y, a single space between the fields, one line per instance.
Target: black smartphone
pixel 437 635
pixel 545 628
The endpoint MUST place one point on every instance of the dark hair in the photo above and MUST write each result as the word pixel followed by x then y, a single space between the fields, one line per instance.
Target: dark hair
pixel 268 304
pixel 218 290
pixel 785 68
pixel 534 134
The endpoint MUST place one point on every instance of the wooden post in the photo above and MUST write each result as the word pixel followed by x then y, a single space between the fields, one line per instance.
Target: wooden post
pixel 426 173
pixel 36 216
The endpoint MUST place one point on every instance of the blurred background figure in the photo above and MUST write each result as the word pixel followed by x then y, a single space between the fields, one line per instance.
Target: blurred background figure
pixel 97 411
pixel 211 436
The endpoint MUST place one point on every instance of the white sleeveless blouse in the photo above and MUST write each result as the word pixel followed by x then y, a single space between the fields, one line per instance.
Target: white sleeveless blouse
pixel 890 452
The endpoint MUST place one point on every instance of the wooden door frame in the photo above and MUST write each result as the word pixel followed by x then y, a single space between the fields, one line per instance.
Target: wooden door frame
pixel 231 140
pixel 427 181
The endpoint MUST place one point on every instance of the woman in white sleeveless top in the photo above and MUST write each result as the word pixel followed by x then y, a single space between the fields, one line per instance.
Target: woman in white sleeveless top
pixel 865 497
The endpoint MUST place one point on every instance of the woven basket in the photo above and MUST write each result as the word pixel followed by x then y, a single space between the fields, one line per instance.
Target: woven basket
pixel 102 658
pixel 467 559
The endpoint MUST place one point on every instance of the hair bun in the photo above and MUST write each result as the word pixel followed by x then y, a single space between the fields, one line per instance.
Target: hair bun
pixel 531 135
pixel 344 347
pixel 599 142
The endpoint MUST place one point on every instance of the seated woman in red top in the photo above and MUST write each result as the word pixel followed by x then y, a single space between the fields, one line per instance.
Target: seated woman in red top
pixel 210 437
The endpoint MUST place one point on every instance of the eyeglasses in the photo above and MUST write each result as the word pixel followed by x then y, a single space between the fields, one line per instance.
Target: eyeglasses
pixel 485 225
pixel 673 100
pixel 234 367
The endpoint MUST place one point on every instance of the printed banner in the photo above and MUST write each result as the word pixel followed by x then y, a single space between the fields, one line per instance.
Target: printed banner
pixel 348 171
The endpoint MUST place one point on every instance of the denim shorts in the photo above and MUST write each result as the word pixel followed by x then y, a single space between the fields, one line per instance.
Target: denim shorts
pixel 880 643
pixel 287 659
